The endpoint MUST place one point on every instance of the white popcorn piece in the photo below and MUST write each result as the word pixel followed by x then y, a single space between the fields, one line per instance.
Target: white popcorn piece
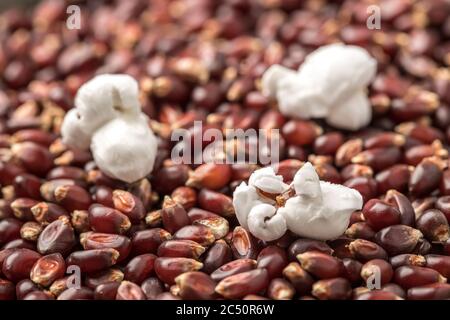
pixel 301 99
pixel 125 149
pixel 264 222
pixel 322 215
pixel 330 82
pixel 339 69
pixel 351 114
pixel 272 76
pixel 266 180
pixel 253 211
pixel 318 210
pixel 305 182
pixel 72 131
pixel 107 118
pixel 109 92
pixel 106 97
pixel 244 199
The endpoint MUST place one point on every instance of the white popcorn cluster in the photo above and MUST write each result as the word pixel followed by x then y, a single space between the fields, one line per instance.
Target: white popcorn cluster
pixel 107 118
pixel 317 209
pixel 331 83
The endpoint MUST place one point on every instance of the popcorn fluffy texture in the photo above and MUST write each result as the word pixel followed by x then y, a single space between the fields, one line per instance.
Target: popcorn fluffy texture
pixel 331 83
pixel 107 118
pixel 318 210
pixel 266 180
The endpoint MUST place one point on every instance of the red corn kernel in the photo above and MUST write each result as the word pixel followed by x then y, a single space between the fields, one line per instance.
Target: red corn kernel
pixel 198 233
pixel 47 269
pixel 195 285
pixel 139 268
pixel 216 202
pixel 167 269
pixel 173 215
pixel 106 291
pixel 94 240
pixel 82 293
pixel 19 263
pixel 185 196
pixel 96 279
pixel 47 212
pixel 108 220
pixel 378 268
pixel 399 239
pixel 180 248
pixel 93 260
pixel 210 175
pixel 57 237
pixel 7 290
pixel 273 259
pixel 217 255
pixel 243 244
pixel 129 204
pixel 242 284
pixel 412 276
pixel 321 265
pixel 148 241
pixel 434 291
pixel 434 225
pixel 332 289
pixel 152 287
pixel 72 197
pixel 379 214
